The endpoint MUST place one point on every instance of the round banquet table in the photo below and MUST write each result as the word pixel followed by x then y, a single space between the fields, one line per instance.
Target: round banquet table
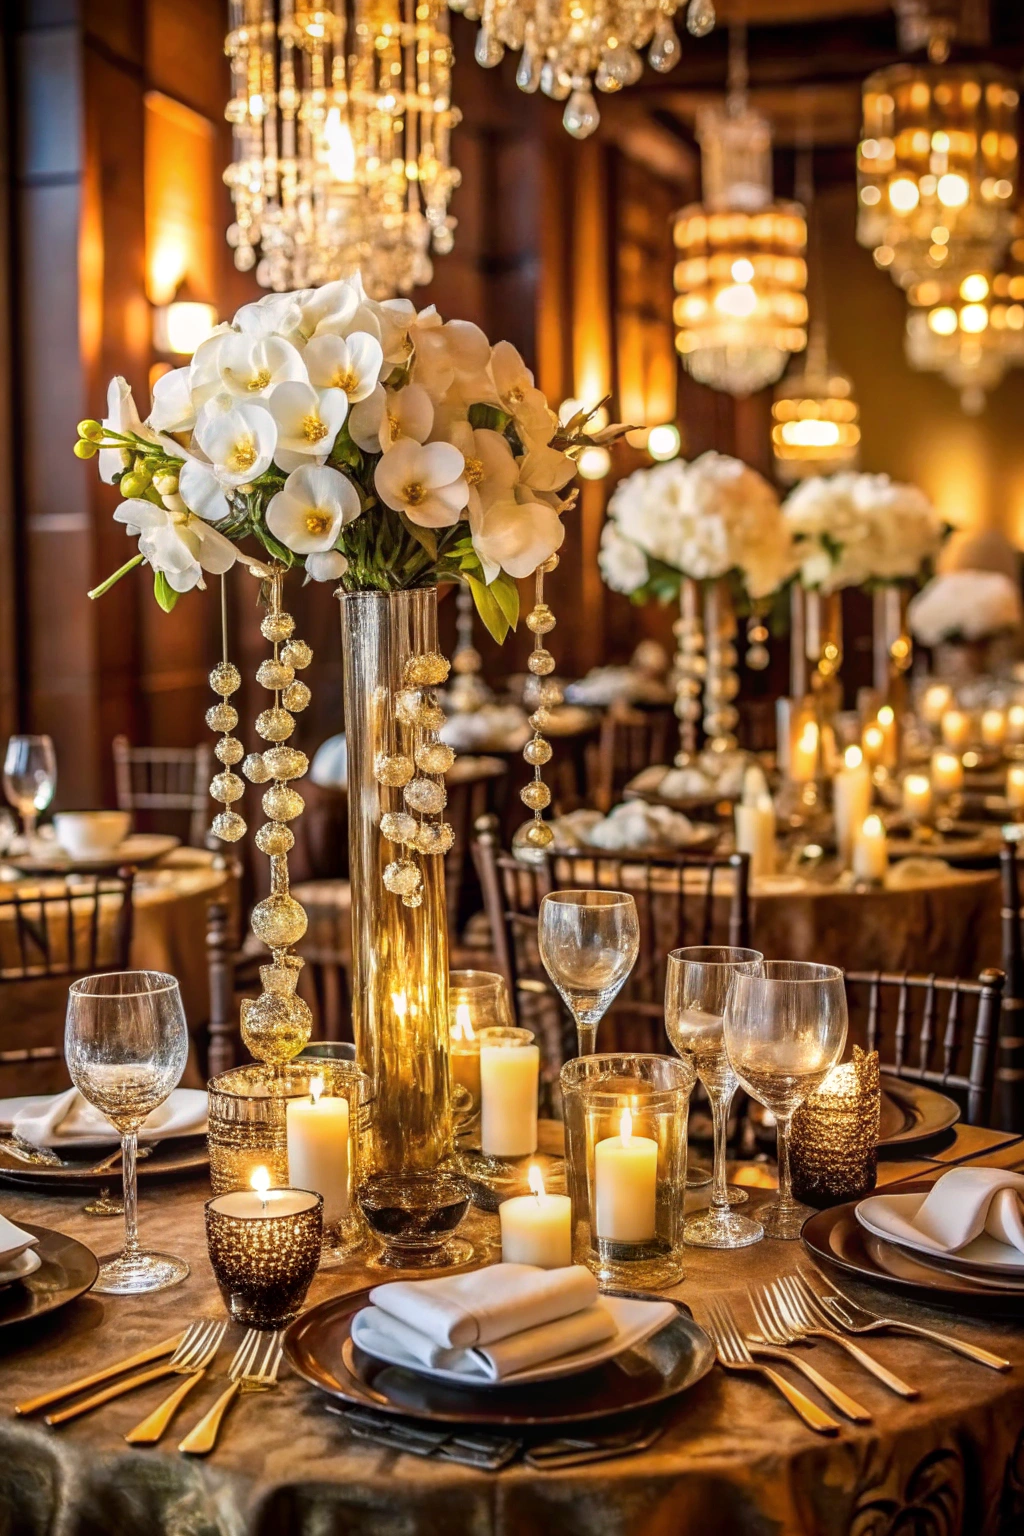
pixel 733 1459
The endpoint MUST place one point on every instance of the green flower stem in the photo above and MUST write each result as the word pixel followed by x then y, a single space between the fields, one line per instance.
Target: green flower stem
pixel 105 586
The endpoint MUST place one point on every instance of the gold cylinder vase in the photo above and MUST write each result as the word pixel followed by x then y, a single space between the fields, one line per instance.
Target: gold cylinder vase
pixel 399 951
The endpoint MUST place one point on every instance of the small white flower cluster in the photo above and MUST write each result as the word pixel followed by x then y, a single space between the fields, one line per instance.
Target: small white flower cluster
pixel 701 519
pixel 336 426
pixel 853 528
pixel 965 605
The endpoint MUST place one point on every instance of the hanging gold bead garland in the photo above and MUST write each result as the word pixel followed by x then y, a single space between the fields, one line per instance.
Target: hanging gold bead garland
pixel 227 787
pixel 536 795
pixel 690 667
pixel 415 761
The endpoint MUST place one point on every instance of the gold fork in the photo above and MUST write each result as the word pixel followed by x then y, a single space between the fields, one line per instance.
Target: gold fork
pixel 772 1340
pixel 733 1355
pixel 247 1374
pixel 153 1426
pixel 192 1349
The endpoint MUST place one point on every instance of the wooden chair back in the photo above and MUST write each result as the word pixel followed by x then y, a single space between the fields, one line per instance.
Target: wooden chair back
pixel 170 785
pixel 631 739
pixel 934 1030
pixel 1009 1099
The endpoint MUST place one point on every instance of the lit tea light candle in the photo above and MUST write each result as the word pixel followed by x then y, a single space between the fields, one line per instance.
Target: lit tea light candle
pixel 264 1245
pixel 804 757
pixel 1015 724
pixel 509 1078
pixel 626 1180
pixel 465 1052
pixel 873 744
pixel 917 796
pixel 937 698
pixel 317 1137
pixel 261 1202
pixel 851 800
pixel 890 735
pixel 1015 786
pixel 956 729
pixel 871 851
pixel 755 834
pixel 537 1228
pixel 993 727
pixel 947 773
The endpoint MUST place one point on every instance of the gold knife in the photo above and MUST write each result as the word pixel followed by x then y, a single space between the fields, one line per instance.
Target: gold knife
pixel 154 1352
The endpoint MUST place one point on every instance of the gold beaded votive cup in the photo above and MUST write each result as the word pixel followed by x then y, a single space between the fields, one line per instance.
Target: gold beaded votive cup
pixel 264 1264
pixel 834 1140
pixel 247 1126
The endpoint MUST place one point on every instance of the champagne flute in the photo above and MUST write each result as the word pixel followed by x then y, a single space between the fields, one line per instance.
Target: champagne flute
pixel 784 1031
pixel 696 985
pixel 589 942
pixel 126 1045
pixel 30 778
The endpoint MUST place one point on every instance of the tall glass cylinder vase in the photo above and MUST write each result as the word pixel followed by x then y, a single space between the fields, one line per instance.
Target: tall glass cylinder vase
pixel 893 647
pixel 721 683
pixel 399 950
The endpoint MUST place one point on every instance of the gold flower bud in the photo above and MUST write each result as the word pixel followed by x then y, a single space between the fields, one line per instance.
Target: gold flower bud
pixel 536 795
pixel 537 752
pixel 274 674
pixel 282 804
pixel 297 654
pixel 274 838
pixel 227 787
pixel 434 757
pixel 296 696
pixel 394 771
pixel 426 797
pixel 549 565
pixel 541 662
pixel 229 750
pixel 540 620
pixel 222 717
pixel 277 626
pixel 426 671
pixel 228 826
pixel 225 678
pixel 278 921
pixel 286 762
pixel 255 769
pixel 274 724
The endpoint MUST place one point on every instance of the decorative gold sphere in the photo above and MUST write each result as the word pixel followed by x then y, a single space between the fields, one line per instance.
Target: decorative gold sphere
pixel 274 724
pixel 394 771
pixel 425 796
pixel 431 717
pixel 255 769
pixel 228 826
pixel 550 694
pixel 282 804
pixel 427 670
pixel 229 750
pixel 222 717
pixel 227 787
pixel 402 878
pixel 225 678
pixel 399 827
pixel 274 674
pixel 276 1026
pixel 538 834
pixel 540 620
pixel 297 654
pixel 434 757
pixel 536 795
pixel 467 660
pixel 414 899
pixel 540 719
pixel 286 762
pixel 274 838
pixel 296 696
pixel 278 921
pixel 541 662
pixel 277 626
pixel 435 837
pixel 537 752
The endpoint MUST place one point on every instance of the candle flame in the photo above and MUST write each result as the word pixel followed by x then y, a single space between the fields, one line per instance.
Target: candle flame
pixel 536 1180
pixel 945 762
pixel 316 1088
pixel 260 1182
pixel 626 1126
pixel 872 826
pixel 463 1029
pixel 916 784
pixel 873 736
pixel 853 757
pixel 809 737
pixel 886 715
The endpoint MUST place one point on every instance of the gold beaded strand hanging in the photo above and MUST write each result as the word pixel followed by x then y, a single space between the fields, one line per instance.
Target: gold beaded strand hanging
pixel 415 761
pixel 544 695
pixel 227 787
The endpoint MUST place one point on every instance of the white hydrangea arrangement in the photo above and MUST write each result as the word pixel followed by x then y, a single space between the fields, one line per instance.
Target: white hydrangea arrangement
pixel 369 443
pixel 709 518
pixel 960 606
pixel 854 530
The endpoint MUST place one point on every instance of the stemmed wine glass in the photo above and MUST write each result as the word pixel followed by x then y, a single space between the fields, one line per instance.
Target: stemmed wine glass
pixel 784 1031
pixel 126 1045
pixel 696 985
pixel 589 942
pixel 30 778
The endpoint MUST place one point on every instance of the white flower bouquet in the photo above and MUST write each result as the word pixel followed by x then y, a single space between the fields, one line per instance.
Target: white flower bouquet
pixel 853 530
pixel 706 519
pixel 960 606
pixel 369 443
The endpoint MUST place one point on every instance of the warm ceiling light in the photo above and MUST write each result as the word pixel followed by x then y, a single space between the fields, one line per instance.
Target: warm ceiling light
pixel 664 442
pixel 181 326
pixel 974 288
pixel 594 463
pixel 973 318
pixel 943 320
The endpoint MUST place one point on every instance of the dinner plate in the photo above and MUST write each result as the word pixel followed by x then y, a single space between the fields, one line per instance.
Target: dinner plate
pixel 140 848
pixel 984 1253
pixel 634 1324
pixel 26 1263
pixel 175 1158
pixel 186 1100
pixel 66 1270
pixel 321 1350
pixel 836 1239
pixel 912 1113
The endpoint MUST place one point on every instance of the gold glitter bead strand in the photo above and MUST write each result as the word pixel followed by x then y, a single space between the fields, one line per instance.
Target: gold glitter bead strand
pixel 536 835
pixel 227 787
pixel 417 767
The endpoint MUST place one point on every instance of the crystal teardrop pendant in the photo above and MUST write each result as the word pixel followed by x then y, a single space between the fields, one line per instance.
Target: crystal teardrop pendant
pixel 700 18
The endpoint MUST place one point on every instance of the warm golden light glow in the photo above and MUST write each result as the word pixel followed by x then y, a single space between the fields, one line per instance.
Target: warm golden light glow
pixel 182 326
pixel 463 1029
pixel 535 1179
pixel 853 757
pixel 663 442
pixel 260 1182
pixel 625 1126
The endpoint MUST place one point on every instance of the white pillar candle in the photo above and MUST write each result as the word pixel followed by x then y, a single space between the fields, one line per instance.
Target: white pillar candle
pixel 261 1201
pixel 537 1228
pixel 947 773
pixel 917 796
pixel 755 834
pixel 317 1136
pixel 1015 786
pixel 509 1077
pixel 871 850
pixel 803 767
pixel 890 735
pixel 1015 724
pixel 956 729
pixel 993 727
pixel 626 1180
pixel 851 800
pixel 873 744
pixel 936 699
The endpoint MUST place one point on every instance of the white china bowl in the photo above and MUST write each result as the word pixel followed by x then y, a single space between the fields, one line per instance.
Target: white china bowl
pixel 83 834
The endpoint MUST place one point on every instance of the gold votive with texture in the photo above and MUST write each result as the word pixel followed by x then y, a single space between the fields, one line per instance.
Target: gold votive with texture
pixel 835 1134
pixel 264 1248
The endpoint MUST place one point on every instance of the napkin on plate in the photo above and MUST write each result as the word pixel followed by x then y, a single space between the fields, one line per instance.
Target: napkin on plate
pixel 959 1207
pixel 462 1311
pixel 62 1118
pixel 13 1241
pixel 378 1333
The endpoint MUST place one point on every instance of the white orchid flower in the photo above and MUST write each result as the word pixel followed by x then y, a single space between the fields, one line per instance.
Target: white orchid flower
pixel 175 542
pixel 351 364
pixel 515 535
pixel 546 469
pixel 275 314
pixel 423 481
pixel 311 510
pixel 328 566
pixel 388 414
pixel 397 318
pixel 201 491
pixel 122 416
pixel 308 420
pixel 173 407
pixel 250 367
pixel 491 471
pixel 450 357
pixel 330 309
pixel 238 439
pixel 203 371
pixel 535 421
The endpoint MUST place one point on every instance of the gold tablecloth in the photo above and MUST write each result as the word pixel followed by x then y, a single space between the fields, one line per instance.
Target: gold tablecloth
pixel 733 1461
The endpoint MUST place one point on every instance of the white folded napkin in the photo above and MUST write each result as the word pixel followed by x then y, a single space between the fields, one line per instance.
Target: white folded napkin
pixel 959 1207
pixel 462 1311
pixel 13 1241
pixel 377 1333
pixel 62 1118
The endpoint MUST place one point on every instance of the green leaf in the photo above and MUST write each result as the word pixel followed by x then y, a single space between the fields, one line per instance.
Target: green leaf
pixel 425 537
pixel 506 595
pixel 489 416
pixel 488 608
pixel 164 592
pixel 273 547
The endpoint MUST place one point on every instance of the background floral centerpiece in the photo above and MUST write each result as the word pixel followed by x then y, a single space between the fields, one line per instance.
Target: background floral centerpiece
pixel 853 530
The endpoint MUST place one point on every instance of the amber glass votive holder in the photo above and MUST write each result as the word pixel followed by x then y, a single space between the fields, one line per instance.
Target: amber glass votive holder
pixel 264 1259
pixel 834 1140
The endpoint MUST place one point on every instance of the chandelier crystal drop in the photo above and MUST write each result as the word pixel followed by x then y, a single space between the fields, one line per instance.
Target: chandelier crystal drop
pixel 937 169
pixel 569 46
pixel 341 117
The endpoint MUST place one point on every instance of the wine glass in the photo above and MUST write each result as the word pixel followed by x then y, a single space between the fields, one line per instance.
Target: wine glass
pixel 784 1031
pixel 589 942
pixel 696 985
pixel 30 778
pixel 126 1044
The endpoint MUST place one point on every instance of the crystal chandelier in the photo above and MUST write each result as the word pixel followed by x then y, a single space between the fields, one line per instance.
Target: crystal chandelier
pixel 937 169
pixel 341 115
pixel 568 46
pixel 741 275
pixel 970 337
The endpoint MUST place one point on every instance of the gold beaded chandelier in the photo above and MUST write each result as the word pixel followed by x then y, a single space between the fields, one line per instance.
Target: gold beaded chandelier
pixel 341 116
pixel 569 46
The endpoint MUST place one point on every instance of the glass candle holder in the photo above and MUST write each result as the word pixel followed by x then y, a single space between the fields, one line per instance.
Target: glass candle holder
pixel 323 1132
pixel 264 1248
pixel 247 1126
pixel 504 1147
pixel 415 1215
pixel 833 1142
pixel 626 1131
pixel 477 1000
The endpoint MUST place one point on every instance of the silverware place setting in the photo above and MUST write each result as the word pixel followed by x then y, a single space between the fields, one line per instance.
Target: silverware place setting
pixel 253 1368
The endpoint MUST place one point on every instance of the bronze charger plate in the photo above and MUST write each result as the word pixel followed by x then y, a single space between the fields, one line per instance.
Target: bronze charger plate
pixel 68 1269
pixel 836 1239
pixel 912 1112
pixel 174 1158
pixel 319 1346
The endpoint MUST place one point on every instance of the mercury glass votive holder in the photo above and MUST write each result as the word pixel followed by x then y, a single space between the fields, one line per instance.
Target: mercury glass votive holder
pixel 264 1252
pixel 247 1126
pixel 626 1142
pixel 834 1138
